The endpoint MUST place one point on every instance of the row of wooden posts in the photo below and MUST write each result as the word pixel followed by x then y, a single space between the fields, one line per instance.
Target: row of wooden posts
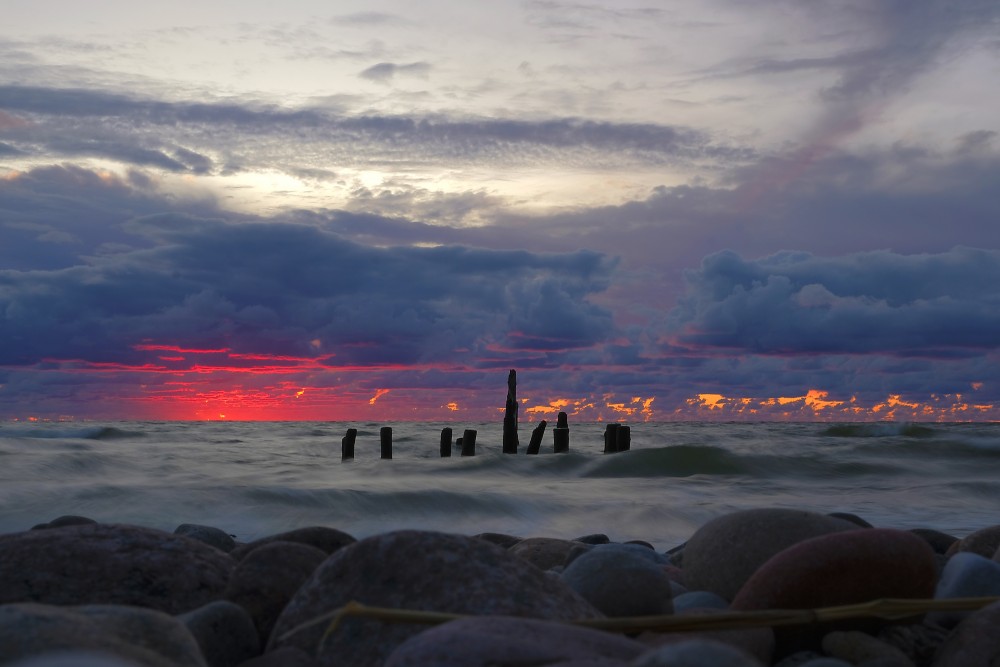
pixel 617 438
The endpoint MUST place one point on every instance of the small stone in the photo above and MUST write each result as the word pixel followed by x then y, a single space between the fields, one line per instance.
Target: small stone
pixel 621 580
pixel 111 564
pixel 325 539
pixel 544 552
pixel 74 659
pixel 940 542
pixel 500 539
pixel 65 520
pixel 966 575
pixel 487 642
pixel 288 656
pixel 920 641
pixel 215 537
pixel 696 653
pixel 224 631
pixel 267 578
pixel 853 518
pixel 724 552
pixel 757 642
pixel 596 538
pixel 417 570
pixel 984 542
pixel 858 647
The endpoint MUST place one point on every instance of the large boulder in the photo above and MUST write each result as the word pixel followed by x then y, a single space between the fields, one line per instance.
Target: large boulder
pixel 415 570
pixel 724 552
pixel 323 538
pixel 111 564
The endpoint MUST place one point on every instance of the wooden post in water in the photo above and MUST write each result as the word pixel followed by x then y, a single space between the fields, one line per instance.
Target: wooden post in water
pixel 385 436
pixel 536 438
pixel 445 442
pixel 347 444
pixel 610 432
pixel 469 442
pixel 510 415
pixel 623 439
pixel 560 434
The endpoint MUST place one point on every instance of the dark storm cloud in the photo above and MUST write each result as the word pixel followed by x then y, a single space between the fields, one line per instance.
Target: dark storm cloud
pixel 273 287
pixel 934 305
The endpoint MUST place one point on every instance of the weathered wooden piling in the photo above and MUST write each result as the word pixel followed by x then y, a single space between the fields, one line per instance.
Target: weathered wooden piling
pixel 610 433
pixel 385 437
pixel 347 444
pixel 623 439
pixel 560 434
pixel 445 442
pixel 510 442
pixel 468 441
pixel 535 443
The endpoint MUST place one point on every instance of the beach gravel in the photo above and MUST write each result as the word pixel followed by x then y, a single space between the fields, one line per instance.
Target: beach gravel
pixel 417 570
pixel 975 642
pixel 111 564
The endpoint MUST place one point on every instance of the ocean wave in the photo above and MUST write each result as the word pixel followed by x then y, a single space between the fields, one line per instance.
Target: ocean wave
pixel 673 461
pixel 68 433
pixel 880 430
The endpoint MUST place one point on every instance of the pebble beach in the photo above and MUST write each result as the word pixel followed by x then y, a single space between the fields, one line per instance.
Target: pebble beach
pixel 74 591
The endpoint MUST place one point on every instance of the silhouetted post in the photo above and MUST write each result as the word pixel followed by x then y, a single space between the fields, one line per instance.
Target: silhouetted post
pixel 445 442
pixel 560 434
pixel 347 444
pixel 385 436
pixel 623 439
pixel 510 415
pixel 469 442
pixel 536 438
pixel 610 431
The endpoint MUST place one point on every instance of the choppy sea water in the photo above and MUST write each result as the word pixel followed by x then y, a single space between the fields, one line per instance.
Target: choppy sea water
pixel 257 478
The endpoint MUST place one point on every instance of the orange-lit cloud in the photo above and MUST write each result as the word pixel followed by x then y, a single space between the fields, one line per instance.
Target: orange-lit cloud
pixel 379 393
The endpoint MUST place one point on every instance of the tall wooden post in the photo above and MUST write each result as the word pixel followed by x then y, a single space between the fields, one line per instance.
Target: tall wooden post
pixel 623 439
pixel 536 438
pixel 385 437
pixel 445 442
pixel 510 415
pixel 347 444
pixel 610 433
pixel 469 442
pixel 560 434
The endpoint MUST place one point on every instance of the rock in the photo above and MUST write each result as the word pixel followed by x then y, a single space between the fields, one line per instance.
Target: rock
pixel 111 564
pixel 853 518
pixel 698 600
pixel 724 552
pixel 325 539
pixel 224 631
pixel 267 578
pixel 842 568
pixel 858 647
pixel 756 642
pixel 417 570
pixel 805 658
pixel 216 537
pixel 966 575
pixel 501 540
pixel 596 538
pixel 696 653
pixel 544 552
pixel 920 641
pixel 487 642
pixel 940 542
pixel 621 580
pixel 643 543
pixel 64 520
pixel 144 636
pixel 974 642
pixel 819 662
pixel 984 542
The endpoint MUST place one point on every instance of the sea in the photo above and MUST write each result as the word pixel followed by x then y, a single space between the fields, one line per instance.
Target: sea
pixel 254 479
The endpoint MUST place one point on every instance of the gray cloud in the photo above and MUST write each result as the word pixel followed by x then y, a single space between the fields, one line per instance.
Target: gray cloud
pixel 386 72
pixel 934 305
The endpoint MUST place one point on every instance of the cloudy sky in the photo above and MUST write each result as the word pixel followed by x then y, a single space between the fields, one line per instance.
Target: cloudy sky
pixel 683 209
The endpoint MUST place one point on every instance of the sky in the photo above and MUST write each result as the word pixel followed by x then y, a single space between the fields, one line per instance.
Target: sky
pixel 362 211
